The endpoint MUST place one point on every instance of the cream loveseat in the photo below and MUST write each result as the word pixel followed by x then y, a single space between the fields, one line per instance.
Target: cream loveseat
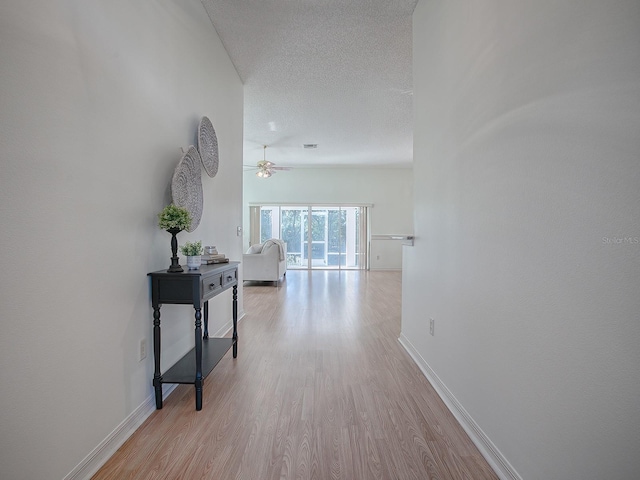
pixel 265 262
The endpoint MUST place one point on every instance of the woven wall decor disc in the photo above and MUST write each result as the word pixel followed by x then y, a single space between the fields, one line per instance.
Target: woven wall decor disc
pixel 208 146
pixel 186 186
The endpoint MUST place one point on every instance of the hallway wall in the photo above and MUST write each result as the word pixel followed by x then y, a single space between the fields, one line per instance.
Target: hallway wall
pixel 527 218
pixel 97 98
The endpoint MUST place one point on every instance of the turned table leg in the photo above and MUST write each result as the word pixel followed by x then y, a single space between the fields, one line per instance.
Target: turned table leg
pixel 157 377
pixel 198 380
pixel 235 321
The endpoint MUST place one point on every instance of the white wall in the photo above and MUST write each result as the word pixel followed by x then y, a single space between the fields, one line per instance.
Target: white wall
pixel 526 172
pixel 96 100
pixel 388 189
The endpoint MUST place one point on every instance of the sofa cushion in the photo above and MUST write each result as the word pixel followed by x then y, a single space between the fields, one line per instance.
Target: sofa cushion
pixel 257 248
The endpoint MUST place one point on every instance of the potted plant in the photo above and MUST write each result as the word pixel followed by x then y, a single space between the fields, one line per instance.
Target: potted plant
pixel 193 252
pixel 174 219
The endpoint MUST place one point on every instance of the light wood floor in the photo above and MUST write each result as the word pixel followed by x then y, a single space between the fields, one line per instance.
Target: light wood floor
pixel 321 389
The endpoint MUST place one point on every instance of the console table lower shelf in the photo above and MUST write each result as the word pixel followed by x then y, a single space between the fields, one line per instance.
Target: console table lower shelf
pixel 213 349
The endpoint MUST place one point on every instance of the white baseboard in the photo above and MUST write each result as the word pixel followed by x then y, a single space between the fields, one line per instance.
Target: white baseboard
pixel 99 456
pixel 227 327
pixel 103 452
pixel 489 451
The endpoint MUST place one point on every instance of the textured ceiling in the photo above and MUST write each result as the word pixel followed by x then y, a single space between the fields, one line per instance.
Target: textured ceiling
pixel 336 73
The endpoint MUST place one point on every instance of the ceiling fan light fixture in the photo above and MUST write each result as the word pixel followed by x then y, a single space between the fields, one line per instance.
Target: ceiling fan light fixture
pixel 265 164
pixel 267 168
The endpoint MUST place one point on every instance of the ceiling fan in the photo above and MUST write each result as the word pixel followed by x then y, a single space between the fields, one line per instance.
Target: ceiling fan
pixel 265 167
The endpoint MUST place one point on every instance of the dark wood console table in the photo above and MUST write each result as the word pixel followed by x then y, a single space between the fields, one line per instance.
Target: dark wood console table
pixel 193 287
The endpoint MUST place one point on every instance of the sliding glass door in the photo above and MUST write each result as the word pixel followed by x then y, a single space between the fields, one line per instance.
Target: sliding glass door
pixel 327 237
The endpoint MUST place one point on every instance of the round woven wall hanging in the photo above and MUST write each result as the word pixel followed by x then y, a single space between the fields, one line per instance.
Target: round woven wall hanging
pixel 186 186
pixel 208 146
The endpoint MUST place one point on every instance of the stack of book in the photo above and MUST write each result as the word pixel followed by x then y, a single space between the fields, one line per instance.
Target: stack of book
pixel 210 258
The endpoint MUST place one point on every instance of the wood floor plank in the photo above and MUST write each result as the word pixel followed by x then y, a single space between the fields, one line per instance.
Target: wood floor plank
pixel 321 390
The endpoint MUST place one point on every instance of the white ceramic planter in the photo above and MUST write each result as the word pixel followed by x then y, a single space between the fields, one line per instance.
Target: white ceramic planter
pixel 193 263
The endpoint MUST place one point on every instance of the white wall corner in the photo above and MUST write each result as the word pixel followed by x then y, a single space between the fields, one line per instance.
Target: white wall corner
pixel 489 451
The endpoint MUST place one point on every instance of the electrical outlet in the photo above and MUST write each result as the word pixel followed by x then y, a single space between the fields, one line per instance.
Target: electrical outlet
pixel 431 325
pixel 143 349
pixel 239 231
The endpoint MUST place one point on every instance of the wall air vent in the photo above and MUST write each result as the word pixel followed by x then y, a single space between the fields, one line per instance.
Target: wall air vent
pixel 310 145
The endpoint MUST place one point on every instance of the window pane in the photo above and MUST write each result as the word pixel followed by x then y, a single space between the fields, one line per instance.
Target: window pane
pixel 266 224
pixel 317 250
pixel 292 234
pixel 318 224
